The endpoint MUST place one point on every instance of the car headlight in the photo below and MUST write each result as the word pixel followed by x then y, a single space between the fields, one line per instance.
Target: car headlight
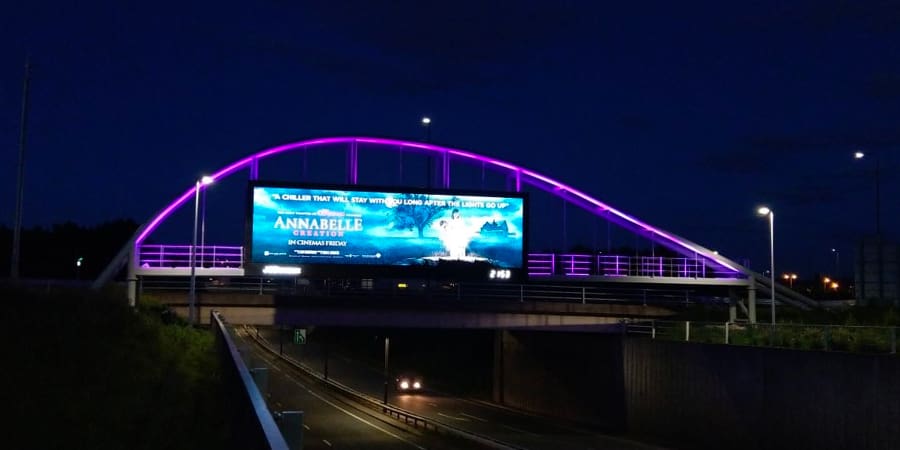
pixel 417 385
pixel 404 384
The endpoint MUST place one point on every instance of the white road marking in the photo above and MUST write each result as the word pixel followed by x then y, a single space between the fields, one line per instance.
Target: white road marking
pixel 433 405
pixel 354 416
pixel 306 426
pixel 453 417
pixel 473 417
pixel 326 442
pixel 360 418
pixel 518 430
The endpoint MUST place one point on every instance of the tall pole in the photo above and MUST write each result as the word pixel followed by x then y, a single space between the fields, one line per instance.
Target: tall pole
pixel 387 350
pixel 426 122
pixel 192 299
pixel 203 228
pixel 20 179
pixel 772 259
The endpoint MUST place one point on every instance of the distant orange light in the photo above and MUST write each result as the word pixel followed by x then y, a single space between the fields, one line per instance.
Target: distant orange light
pixel 834 286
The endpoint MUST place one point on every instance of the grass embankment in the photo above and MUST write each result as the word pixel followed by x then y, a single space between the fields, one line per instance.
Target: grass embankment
pixel 857 329
pixel 84 370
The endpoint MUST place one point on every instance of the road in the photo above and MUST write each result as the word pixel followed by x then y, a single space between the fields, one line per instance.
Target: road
pixel 516 428
pixel 331 422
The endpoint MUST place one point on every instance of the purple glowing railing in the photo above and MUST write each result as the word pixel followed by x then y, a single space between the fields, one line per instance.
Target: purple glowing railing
pixel 179 256
pixel 576 265
pixel 522 174
pixel 541 264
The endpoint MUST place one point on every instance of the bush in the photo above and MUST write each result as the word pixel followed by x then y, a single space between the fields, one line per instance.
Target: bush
pixel 100 375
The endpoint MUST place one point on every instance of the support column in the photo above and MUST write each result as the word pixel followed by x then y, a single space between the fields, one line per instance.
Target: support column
pixel 732 305
pixel 353 163
pixel 254 169
pixel 751 299
pixel 445 170
pixel 131 277
pixel 498 366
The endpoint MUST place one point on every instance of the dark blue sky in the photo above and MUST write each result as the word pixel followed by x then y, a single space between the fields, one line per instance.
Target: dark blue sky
pixel 687 116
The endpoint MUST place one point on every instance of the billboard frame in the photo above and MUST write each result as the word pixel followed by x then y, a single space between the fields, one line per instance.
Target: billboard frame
pixel 338 270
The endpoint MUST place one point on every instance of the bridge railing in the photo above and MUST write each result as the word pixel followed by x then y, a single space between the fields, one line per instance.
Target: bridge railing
pixel 363 293
pixel 163 256
pixel 251 422
pixel 584 265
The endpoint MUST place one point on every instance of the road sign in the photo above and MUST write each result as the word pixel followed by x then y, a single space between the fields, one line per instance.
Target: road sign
pixel 300 336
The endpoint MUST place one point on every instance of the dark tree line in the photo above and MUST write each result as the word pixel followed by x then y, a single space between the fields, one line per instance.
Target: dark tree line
pixel 53 252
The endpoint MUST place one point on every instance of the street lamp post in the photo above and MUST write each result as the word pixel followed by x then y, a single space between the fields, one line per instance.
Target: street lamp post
pixel 426 122
pixel 860 155
pixel 192 298
pixel 765 211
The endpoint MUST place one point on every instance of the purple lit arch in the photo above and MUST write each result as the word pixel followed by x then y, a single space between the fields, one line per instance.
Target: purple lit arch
pixel 522 175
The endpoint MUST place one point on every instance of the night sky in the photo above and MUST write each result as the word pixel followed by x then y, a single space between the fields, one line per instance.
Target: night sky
pixel 687 116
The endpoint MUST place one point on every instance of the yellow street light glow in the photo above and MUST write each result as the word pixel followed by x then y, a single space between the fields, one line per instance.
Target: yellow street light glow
pixel 834 286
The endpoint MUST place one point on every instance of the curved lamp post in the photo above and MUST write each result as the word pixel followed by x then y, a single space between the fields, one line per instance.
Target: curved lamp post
pixel 766 211
pixel 192 298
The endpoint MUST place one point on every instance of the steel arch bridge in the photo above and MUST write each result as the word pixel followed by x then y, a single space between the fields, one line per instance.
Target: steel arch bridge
pixel 699 265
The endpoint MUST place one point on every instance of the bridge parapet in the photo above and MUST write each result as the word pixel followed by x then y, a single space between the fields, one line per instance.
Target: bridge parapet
pixel 167 259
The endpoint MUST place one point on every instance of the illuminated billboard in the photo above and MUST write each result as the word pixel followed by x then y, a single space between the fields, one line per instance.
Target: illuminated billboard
pixel 297 225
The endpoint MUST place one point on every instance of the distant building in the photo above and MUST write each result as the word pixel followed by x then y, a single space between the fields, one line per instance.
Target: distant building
pixel 877 272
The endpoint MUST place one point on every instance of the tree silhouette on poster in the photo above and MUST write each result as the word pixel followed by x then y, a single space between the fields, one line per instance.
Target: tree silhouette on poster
pixel 409 216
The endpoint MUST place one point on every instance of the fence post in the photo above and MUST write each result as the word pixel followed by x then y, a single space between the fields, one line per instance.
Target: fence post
pixel 827 337
pixel 583 299
pixel 726 332
pixel 687 331
pixel 521 293
pixel 652 329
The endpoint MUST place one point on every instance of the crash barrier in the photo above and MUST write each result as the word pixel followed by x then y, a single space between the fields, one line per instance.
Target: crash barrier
pixel 250 423
pixel 379 405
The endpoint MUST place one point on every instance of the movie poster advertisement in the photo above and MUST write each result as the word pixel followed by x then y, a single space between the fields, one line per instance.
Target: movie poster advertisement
pixel 293 225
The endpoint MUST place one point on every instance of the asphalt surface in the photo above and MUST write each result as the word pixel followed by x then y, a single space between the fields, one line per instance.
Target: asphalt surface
pixel 332 422
pixel 513 427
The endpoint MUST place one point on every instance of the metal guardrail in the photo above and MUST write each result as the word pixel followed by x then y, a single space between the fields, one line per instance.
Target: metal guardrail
pixel 268 435
pixel 386 408
pixel 480 292
pixel 575 265
pixel 828 337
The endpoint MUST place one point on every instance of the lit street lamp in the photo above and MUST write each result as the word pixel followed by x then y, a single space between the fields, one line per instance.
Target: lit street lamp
pixel 790 277
pixel 426 122
pixel 192 298
pixel 765 211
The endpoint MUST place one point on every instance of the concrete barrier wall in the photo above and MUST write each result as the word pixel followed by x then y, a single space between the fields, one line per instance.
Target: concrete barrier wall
pixel 576 376
pixel 715 396
pixel 703 396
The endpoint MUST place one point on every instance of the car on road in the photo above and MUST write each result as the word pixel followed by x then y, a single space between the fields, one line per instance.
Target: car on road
pixel 409 383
